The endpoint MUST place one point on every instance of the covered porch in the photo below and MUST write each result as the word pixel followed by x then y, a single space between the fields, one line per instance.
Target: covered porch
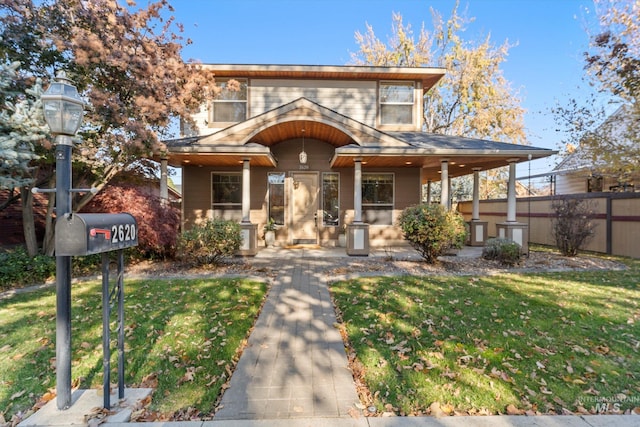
pixel 320 174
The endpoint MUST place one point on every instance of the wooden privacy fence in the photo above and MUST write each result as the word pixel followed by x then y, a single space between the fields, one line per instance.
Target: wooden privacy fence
pixel 616 215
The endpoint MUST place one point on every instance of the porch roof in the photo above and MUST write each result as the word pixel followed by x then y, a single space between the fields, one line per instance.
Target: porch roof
pixel 253 139
pixel 428 150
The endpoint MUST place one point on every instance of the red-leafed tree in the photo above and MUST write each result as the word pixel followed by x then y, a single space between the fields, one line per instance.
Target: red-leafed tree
pixel 158 224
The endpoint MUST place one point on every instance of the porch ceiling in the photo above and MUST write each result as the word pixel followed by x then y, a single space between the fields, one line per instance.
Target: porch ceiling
pixel 220 160
pixel 459 165
pixel 294 129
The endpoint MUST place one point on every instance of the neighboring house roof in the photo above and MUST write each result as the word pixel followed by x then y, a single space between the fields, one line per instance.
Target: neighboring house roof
pixel 579 160
pixel 252 139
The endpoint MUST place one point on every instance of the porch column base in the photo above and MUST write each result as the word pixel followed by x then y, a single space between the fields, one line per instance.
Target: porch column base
pixel 477 232
pixel 516 231
pixel 249 245
pixel 358 239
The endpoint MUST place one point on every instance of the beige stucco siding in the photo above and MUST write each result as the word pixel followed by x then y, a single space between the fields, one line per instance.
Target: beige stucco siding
pixel 196 197
pixel 353 99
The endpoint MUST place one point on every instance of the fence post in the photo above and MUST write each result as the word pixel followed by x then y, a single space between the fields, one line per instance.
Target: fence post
pixel 609 232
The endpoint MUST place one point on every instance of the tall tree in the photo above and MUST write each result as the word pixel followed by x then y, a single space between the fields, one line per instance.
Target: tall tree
pixel 609 141
pixel 125 61
pixel 21 130
pixel 473 99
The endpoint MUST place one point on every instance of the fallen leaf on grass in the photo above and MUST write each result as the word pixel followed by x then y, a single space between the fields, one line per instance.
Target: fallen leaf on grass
pixel 436 411
pixel 512 410
pixel 14 396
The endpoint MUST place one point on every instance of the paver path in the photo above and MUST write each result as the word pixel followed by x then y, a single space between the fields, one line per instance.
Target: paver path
pixel 295 363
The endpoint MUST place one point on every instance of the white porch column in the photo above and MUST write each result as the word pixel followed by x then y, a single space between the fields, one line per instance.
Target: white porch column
pixel 511 192
pixel 444 183
pixel 475 214
pixel 357 191
pixel 428 191
pixel 511 229
pixel 357 231
pixel 246 191
pixel 164 187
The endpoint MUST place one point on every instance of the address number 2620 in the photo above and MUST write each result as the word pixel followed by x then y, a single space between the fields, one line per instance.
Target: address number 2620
pixel 123 233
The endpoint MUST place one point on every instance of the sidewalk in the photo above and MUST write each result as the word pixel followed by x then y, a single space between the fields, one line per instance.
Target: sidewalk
pixel 295 363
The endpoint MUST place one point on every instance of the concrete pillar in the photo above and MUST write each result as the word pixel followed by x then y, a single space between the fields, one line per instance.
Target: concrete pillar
pixel 477 229
pixel 357 232
pixel 428 191
pixel 475 215
pixel 444 181
pixel 357 191
pixel 164 185
pixel 248 231
pixel 511 229
pixel 511 192
pixel 246 192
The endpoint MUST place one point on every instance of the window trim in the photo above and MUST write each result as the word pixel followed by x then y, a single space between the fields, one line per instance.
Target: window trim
pixel 390 206
pixel 412 104
pixel 269 214
pixel 324 224
pixel 213 101
pixel 214 205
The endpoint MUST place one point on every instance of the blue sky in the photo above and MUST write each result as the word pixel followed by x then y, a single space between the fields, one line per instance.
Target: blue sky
pixel 544 65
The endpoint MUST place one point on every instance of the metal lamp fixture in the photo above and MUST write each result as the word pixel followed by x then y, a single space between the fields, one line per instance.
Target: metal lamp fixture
pixel 63 107
pixel 303 155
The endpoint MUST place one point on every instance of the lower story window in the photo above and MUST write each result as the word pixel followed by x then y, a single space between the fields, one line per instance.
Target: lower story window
pixel 226 195
pixel 377 198
pixel 276 197
pixel 330 199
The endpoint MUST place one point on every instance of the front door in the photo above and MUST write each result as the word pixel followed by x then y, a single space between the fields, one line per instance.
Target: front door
pixel 304 200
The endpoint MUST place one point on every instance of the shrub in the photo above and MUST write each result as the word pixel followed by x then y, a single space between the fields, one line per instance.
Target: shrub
pixel 17 268
pixel 572 226
pixel 431 229
pixel 506 251
pixel 158 224
pixel 210 241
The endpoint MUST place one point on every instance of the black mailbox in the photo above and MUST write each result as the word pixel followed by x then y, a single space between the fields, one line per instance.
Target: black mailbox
pixel 86 234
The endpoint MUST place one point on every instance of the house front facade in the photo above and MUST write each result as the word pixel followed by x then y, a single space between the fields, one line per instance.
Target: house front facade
pixel 321 150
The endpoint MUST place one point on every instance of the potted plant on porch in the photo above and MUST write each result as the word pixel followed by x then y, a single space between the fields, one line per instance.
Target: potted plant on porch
pixel 270 233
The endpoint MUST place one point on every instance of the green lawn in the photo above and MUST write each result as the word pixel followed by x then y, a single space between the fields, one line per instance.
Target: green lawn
pixel 495 344
pixel 182 338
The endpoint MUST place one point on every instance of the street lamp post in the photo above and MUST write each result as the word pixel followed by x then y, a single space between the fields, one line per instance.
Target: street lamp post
pixel 63 111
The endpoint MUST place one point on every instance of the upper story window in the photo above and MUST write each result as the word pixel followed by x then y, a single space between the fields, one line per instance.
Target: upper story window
pixel 230 105
pixel 396 103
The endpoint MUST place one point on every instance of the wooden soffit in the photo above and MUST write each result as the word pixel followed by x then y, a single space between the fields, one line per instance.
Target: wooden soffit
pixel 428 76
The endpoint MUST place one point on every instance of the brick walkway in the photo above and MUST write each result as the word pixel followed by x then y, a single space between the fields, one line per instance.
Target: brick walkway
pixel 295 364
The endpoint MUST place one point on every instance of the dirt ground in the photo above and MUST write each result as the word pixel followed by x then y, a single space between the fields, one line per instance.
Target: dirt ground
pixel 544 261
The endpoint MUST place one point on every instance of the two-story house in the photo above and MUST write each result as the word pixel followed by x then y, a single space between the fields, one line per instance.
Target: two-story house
pixel 321 150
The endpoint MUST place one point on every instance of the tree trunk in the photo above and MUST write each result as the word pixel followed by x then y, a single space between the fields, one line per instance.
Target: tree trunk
pixel 28 222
